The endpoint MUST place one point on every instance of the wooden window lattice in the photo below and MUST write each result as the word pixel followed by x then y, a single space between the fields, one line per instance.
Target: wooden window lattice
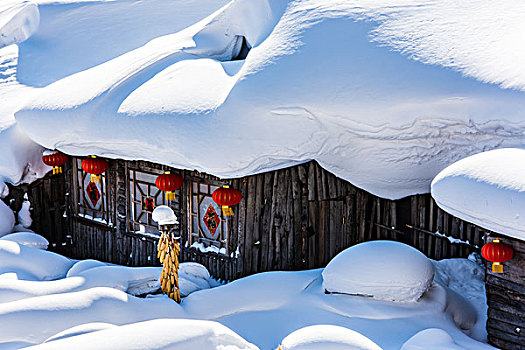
pixel 203 214
pixel 84 205
pixel 143 194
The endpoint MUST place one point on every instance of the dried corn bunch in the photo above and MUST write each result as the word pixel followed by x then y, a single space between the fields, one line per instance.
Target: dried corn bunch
pixel 168 253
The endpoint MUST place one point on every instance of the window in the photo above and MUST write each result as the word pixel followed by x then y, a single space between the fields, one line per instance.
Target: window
pixel 91 197
pixel 207 226
pixel 144 197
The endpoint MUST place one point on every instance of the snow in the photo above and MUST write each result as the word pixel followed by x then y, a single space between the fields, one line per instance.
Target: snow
pixel 156 334
pixel 431 339
pixel 24 215
pixel 28 239
pixel 20 158
pixel 327 337
pixel 82 329
pixel 94 305
pixel 385 270
pixel 487 190
pixel 164 215
pixel 42 264
pixel 372 91
pixel 7 219
pixel 18 20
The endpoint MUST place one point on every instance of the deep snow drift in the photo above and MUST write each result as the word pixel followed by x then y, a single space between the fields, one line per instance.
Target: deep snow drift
pixel 90 305
pixel 322 81
pixel 486 189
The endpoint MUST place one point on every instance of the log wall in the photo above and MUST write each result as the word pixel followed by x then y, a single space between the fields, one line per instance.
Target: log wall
pixel 506 300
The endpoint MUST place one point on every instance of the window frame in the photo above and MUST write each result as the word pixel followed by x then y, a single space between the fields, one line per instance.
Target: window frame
pixel 82 205
pixel 133 184
pixel 222 241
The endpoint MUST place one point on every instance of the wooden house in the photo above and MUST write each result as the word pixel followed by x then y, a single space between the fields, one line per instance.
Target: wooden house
pixel 290 219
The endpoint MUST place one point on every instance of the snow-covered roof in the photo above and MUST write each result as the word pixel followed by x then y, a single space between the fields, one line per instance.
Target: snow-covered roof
pixel 324 80
pixel 487 189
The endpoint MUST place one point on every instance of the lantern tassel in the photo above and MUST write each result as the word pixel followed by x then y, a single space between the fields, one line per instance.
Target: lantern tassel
pixel 227 211
pixel 170 196
pixel 497 268
pixel 57 170
pixel 95 178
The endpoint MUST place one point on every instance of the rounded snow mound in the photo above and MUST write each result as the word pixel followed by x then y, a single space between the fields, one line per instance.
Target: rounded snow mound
pixel 327 337
pixel 29 239
pixel 179 334
pixel 476 190
pixel 431 339
pixel 84 265
pixel 385 270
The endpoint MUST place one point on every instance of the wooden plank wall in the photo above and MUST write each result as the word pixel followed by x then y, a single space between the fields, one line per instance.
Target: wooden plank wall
pixel 301 217
pixel 506 300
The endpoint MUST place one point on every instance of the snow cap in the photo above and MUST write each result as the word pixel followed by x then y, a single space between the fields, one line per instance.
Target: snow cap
pixel 385 270
pixel 164 215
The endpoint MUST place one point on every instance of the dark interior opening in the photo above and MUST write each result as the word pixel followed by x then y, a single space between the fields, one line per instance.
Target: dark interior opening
pixel 242 48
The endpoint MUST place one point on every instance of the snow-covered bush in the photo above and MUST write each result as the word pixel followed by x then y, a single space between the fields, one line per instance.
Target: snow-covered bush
pixel 381 269
pixel 29 239
pixel 327 337
pixel 165 334
pixel 7 219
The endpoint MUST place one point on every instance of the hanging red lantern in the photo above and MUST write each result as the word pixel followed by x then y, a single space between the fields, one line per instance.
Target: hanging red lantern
pixel 226 197
pixel 94 166
pixel 497 253
pixel 170 183
pixel 54 159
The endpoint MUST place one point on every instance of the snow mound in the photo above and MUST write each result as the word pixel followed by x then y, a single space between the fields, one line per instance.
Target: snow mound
pixel 383 121
pixel 7 219
pixel 42 264
pixel 51 314
pixel 165 334
pixel 327 337
pixel 28 239
pixel 18 20
pixel 381 269
pixel 164 215
pixel 84 265
pixel 79 330
pixel 431 339
pixel 486 189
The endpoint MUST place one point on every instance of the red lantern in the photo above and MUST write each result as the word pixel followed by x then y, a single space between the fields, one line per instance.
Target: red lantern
pixel 54 159
pixel 226 197
pixel 94 166
pixel 170 183
pixel 497 253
